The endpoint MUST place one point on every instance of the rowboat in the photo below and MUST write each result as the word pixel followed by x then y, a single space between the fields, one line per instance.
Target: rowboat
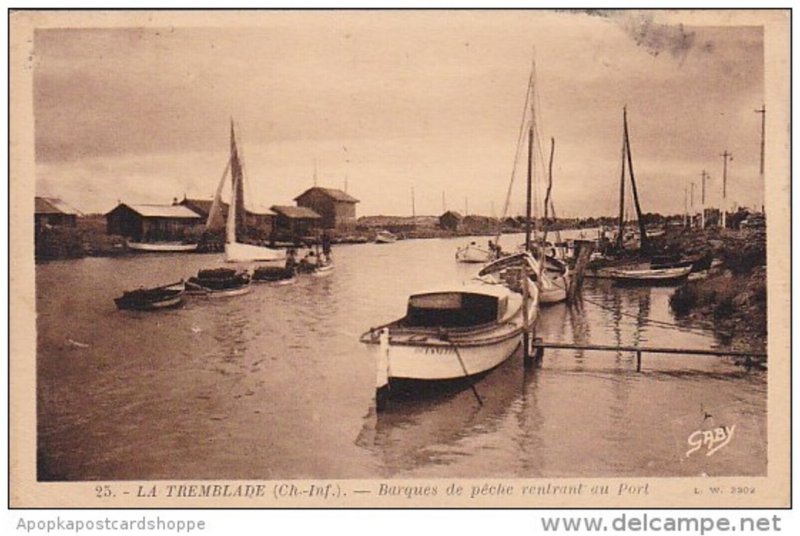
pixel 161 247
pixel 473 253
pixel 456 333
pixel 152 299
pixel 219 283
pixel 650 276
pixel 275 275
pixel 385 237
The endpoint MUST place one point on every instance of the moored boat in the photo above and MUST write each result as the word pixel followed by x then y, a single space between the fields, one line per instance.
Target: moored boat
pixel 650 276
pixel 151 299
pixel 385 237
pixel 473 253
pixel 160 247
pixel 219 282
pixel 453 333
pixel 276 275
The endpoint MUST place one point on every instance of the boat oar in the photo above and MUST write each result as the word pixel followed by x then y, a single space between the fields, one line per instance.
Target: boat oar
pixel 446 338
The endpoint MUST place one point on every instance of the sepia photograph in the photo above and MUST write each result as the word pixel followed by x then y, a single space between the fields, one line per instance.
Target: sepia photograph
pixel 399 258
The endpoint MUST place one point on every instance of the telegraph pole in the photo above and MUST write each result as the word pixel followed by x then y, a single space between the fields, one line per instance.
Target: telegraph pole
pixel 725 157
pixel 413 208
pixel 685 205
pixel 703 201
pixel 763 112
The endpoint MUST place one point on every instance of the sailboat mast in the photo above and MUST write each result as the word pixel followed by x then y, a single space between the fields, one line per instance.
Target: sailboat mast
pixel 642 231
pixel 237 192
pixel 621 230
pixel 529 191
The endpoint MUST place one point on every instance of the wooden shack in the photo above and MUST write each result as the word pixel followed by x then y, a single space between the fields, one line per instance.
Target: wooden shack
pixel 293 223
pixel 53 212
pixel 336 208
pixel 152 223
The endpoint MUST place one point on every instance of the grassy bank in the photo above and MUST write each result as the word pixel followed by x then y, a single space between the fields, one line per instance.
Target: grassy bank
pixel 733 298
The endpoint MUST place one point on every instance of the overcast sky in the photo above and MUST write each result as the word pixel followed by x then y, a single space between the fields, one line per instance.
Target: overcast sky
pixel 387 101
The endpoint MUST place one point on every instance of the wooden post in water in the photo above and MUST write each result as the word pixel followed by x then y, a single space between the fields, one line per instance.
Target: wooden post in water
pixel 638 360
pixel 526 336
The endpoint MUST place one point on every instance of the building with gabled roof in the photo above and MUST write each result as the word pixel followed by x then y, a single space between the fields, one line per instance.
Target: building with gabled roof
pixel 336 208
pixel 294 222
pixel 152 223
pixel 53 212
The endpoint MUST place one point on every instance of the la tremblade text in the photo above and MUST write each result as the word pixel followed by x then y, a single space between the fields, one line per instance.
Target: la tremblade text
pixel 203 490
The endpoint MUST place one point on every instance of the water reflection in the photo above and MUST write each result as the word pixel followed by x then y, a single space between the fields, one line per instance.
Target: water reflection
pixel 275 384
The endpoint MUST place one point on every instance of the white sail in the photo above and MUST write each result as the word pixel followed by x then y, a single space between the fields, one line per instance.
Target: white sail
pixel 236 251
pixel 214 220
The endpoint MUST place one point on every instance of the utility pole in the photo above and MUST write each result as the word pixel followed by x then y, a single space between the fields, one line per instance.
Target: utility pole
pixel 466 206
pixel 444 203
pixel 413 208
pixel 725 157
pixel 685 205
pixel 763 112
pixel 703 201
pixel 315 172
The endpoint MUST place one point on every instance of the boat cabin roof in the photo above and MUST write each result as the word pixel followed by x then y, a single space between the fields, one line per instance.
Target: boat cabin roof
pixel 496 291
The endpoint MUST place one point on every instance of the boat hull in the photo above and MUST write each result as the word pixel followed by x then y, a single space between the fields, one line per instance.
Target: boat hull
pixel 236 252
pixel 473 254
pixel 651 277
pixel 439 361
pixel 166 247
pixel 435 355
pixel 136 305
pixel 199 290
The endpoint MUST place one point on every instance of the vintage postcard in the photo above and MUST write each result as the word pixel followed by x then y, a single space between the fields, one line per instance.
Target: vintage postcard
pixel 399 258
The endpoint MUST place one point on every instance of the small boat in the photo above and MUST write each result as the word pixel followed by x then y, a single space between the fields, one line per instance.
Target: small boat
pixel 385 237
pixel 473 253
pixel 276 275
pixel 323 269
pixel 219 282
pixel 650 276
pixel 554 282
pixel 161 247
pixel 151 299
pixel 452 334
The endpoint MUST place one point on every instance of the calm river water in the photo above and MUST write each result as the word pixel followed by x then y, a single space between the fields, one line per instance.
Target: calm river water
pixel 275 384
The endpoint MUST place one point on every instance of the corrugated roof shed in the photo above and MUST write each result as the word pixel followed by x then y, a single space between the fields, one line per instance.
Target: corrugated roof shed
pixel 296 212
pixel 335 193
pixel 52 205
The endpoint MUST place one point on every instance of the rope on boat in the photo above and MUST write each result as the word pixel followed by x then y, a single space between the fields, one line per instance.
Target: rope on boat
pixel 444 336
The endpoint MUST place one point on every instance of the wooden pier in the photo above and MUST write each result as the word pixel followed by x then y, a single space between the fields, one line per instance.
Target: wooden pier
pixel 752 358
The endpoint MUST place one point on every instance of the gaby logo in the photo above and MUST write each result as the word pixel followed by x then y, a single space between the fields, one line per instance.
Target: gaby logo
pixel 712 440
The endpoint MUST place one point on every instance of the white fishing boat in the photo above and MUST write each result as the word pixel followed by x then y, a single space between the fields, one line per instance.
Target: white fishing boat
pixel 473 253
pixel 453 333
pixel 161 247
pixel 235 229
pixel 385 237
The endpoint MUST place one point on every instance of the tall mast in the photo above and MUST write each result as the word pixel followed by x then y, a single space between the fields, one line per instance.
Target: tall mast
pixel 642 231
pixel 529 190
pixel 235 228
pixel 621 230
